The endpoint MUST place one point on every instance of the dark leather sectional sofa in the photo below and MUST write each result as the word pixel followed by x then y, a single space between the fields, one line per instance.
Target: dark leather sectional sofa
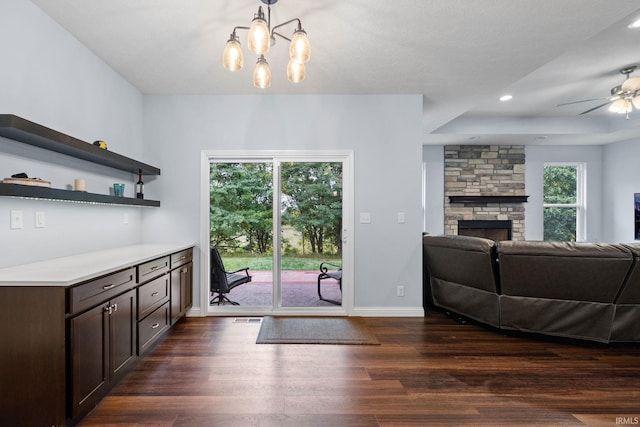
pixel 586 291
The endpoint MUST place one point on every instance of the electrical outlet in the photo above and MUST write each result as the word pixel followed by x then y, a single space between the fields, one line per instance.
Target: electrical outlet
pixel 125 218
pixel 39 219
pixel 16 220
pixel 400 217
pixel 400 291
pixel 365 218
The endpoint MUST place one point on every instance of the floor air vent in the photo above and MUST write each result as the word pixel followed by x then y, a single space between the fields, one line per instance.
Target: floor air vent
pixel 247 320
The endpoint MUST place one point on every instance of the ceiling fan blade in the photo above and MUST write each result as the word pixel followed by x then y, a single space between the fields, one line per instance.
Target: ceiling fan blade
pixel 595 108
pixel 578 102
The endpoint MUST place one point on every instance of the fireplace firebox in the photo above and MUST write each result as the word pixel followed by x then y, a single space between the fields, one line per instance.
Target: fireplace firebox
pixel 489 229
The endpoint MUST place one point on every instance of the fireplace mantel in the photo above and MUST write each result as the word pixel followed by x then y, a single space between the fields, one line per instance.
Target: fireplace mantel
pixel 488 199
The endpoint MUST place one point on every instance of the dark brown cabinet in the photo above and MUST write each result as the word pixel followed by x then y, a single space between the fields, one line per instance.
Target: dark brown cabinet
pixel 102 349
pixel 32 356
pixel 65 346
pixel 181 284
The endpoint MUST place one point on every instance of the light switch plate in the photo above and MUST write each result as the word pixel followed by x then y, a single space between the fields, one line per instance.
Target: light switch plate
pixel 39 219
pixel 16 220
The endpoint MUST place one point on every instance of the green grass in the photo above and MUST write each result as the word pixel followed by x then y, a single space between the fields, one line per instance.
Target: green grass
pixel 265 262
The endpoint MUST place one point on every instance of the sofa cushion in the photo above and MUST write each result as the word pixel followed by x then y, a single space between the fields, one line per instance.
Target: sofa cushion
pixel 630 294
pixel 465 260
pixel 626 322
pixel 563 270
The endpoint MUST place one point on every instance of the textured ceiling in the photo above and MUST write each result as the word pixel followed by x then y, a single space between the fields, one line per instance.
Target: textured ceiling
pixel 460 55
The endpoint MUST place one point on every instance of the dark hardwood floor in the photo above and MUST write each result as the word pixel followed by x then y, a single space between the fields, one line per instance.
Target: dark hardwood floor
pixel 427 371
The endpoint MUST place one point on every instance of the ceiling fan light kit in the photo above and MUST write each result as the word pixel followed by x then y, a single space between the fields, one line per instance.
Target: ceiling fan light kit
pixel 624 97
pixel 260 38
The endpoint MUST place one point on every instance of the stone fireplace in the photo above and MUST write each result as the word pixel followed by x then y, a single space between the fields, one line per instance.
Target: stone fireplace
pixel 484 191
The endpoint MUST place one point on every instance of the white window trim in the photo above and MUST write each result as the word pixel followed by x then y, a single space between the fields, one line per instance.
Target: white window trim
pixel 348 254
pixel 581 198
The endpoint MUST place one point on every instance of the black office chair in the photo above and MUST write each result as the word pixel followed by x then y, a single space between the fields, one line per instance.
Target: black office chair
pixel 326 274
pixel 223 281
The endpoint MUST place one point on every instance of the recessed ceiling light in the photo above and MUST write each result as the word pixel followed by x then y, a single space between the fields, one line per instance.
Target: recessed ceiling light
pixel 635 24
pixel 506 97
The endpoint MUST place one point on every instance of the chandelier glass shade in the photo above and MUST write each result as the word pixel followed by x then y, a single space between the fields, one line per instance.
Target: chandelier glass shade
pixel 259 39
pixel 262 74
pixel 261 36
pixel 295 72
pixel 232 58
pixel 300 49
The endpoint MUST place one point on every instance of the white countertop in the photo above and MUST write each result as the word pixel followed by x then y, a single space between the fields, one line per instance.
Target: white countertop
pixel 74 269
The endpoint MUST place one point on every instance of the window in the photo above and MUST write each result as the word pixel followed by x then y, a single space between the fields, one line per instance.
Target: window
pixel 564 202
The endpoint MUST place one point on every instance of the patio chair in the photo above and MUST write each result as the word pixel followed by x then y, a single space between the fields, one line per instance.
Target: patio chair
pixel 336 274
pixel 223 281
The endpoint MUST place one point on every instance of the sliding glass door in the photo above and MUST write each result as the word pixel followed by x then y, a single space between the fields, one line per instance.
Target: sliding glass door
pixel 311 232
pixel 241 229
pixel 283 218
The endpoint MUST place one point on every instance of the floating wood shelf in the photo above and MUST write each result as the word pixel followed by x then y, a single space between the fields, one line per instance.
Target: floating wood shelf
pixel 488 199
pixel 19 129
pixel 56 194
pixel 27 132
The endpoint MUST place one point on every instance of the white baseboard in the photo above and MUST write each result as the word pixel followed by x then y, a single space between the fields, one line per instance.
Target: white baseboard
pixel 194 312
pixel 358 312
pixel 388 312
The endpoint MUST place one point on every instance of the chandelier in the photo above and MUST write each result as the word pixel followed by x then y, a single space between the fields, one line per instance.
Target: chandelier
pixel 260 38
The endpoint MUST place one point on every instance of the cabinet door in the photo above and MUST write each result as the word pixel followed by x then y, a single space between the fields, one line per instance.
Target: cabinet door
pixel 176 295
pixel 122 334
pixel 89 353
pixel 181 291
pixel 186 275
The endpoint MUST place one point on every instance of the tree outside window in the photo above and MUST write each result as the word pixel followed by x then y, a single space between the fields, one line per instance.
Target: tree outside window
pixel 563 202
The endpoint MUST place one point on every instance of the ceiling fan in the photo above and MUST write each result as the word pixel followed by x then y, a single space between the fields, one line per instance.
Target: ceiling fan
pixel 624 97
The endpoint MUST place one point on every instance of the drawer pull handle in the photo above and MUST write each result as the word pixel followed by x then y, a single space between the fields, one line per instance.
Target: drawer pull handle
pixel 154 267
pixel 155 325
pixel 154 294
pixel 107 287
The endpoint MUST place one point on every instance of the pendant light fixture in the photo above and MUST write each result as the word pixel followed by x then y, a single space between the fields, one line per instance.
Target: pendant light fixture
pixel 260 38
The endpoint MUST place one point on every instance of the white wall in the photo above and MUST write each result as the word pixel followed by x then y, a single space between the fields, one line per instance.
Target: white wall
pixel 621 179
pixel 48 77
pixel 536 157
pixel 382 130
pixel 433 197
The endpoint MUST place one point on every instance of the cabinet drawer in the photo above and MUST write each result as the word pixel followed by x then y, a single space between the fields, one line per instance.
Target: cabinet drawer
pixel 97 291
pixel 152 269
pixel 152 294
pixel 152 327
pixel 181 258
